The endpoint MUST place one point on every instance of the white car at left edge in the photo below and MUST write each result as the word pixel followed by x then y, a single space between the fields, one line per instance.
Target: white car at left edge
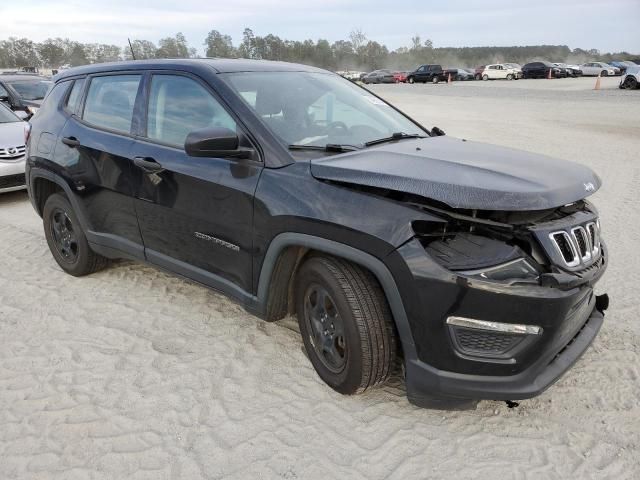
pixel 13 135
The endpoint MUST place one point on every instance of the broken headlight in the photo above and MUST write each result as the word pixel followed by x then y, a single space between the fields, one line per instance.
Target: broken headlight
pixel 518 270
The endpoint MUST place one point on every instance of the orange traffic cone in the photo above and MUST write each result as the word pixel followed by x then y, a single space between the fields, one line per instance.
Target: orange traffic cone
pixel 597 87
pixel 549 77
pixel 449 79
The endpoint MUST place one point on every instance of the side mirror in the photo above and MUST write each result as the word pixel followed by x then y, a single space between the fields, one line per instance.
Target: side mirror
pixel 4 98
pixel 437 132
pixel 21 114
pixel 215 142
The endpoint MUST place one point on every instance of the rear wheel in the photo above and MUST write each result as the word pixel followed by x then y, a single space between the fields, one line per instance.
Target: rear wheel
pixel 630 82
pixel 604 73
pixel 435 80
pixel 345 323
pixel 485 77
pixel 411 80
pixel 66 239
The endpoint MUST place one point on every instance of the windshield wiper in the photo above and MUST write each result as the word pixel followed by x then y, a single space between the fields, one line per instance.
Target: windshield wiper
pixel 329 147
pixel 394 136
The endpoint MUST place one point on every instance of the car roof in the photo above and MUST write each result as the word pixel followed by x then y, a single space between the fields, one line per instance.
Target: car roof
pixel 19 77
pixel 218 65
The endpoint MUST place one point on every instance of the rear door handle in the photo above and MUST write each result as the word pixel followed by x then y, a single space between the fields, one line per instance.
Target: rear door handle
pixel 71 141
pixel 148 164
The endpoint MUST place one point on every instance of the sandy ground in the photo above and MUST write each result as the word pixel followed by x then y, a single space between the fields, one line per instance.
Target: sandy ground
pixel 132 373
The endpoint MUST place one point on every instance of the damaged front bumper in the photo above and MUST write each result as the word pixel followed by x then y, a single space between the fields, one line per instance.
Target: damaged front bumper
pixel 455 367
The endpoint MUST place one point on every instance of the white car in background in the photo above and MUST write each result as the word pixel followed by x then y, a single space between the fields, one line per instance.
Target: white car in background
pixel 631 78
pixel 13 132
pixel 501 71
pixel 598 68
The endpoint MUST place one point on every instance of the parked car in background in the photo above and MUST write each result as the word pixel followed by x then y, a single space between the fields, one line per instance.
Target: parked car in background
pixel 400 77
pixel 571 70
pixel 542 70
pixel 23 92
pixel 13 133
pixel 379 76
pixel 631 78
pixel 427 73
pixel 598 68
pixel 351 75
pixel 471 265
pixel 460 74
pixel 499 71
pixel 622 65
pixel 478 72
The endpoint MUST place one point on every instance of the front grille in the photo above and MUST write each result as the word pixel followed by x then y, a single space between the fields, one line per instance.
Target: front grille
pixel 12 153
pixel 577 247
pixel 566 248
pixel 471 341
pixel 12 181
pixel 583 242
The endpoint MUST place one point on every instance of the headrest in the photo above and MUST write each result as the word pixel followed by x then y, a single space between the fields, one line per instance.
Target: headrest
pixel 268 100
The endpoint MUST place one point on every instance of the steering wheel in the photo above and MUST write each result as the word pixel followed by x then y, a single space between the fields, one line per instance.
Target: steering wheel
pixel 337 128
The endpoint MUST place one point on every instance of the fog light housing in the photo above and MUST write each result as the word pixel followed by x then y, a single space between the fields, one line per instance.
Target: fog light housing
pixel 483 340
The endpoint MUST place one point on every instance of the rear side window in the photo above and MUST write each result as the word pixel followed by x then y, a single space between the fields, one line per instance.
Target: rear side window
pixel 110 102
pixel 178 106
pixel 74 97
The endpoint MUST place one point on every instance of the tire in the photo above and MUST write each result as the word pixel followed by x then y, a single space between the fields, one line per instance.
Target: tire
pixel 485 77
pixel 66 240
pixel 478 76
pixel 509 77
pixel 604 73
pixel 435 80
pixel 411 80
pixel 361 334
pixel 630 83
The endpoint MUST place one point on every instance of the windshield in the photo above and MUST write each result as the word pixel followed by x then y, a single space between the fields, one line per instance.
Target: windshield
pixel 7 116
pixel 317 109
pixel 31 89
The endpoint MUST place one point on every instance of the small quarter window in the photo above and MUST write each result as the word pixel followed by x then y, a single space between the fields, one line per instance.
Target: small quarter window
pixel 53 98
pixel 110 102
pixel 74 97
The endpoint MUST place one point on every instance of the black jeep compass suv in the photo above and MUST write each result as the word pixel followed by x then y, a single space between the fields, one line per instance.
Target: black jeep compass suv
pixel 295 191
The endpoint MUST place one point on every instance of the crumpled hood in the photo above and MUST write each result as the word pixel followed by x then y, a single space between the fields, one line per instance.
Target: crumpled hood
pixel 463 174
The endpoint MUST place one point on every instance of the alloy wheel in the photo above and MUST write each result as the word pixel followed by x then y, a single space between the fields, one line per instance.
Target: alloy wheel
pixel 326 328
pixel 64 235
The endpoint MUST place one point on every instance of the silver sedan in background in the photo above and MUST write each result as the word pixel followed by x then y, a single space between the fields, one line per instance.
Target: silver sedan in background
pixel 13 133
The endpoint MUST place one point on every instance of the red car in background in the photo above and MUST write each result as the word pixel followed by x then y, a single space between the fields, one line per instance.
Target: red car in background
pixel 478 72
pixel 400 77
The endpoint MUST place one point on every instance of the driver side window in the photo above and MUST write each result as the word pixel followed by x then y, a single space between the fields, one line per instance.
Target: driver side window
pixel 179 105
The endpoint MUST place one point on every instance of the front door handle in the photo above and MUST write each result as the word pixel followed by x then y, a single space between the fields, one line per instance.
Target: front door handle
pixel 148 164
pixel 72 142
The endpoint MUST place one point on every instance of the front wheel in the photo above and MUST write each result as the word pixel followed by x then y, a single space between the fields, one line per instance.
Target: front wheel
pixel 485 77
pixel 346 324
pixel 66 239
pixel 604 73
pixel 509 77
pixel 411 80
pixel 435 80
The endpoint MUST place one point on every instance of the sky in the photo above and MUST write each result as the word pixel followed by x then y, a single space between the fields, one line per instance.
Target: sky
pixel 608 25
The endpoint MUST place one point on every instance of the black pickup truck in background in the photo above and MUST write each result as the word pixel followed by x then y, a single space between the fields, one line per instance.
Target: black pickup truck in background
pixel 427 73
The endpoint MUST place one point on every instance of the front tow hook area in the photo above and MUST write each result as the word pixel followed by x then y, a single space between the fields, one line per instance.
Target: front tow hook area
pixel 602 302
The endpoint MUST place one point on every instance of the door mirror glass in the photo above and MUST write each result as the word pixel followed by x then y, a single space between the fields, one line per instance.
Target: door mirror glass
pixel 214 142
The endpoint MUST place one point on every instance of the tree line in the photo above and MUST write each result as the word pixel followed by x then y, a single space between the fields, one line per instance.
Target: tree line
pixel 355 53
